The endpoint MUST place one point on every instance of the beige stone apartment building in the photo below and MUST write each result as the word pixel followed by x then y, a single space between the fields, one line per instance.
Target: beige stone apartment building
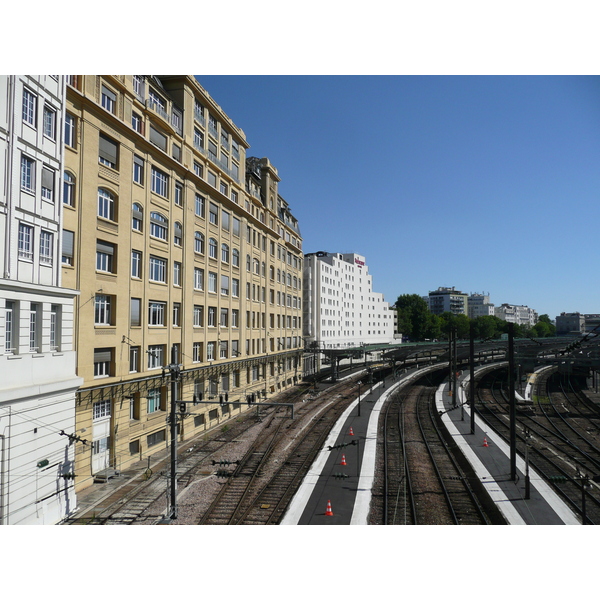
pixel 174 237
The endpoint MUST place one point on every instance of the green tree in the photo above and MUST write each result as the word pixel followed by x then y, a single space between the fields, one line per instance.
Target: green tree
pixel 414 319
pixel 461 323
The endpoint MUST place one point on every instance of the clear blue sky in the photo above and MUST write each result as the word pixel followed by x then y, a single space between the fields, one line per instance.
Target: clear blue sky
pixel 485 183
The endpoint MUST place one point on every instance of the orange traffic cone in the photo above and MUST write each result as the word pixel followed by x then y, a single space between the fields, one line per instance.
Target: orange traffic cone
pixel 329 512
pixel 351 432
pixel 343 463
pixel 485 444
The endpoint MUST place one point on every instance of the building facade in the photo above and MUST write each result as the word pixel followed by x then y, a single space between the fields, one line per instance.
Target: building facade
pixel 341 310
pixel 520 315
pixel 37 357
pixel 479 306
pixel 447 299
pixel 177 243
pixel 570 323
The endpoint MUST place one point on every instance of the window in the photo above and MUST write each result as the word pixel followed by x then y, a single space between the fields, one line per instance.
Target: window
pixel 135 318
pixel 212 282
pixel 102 362
pixel 108 152
pixel 102 310
pixel 235 288
pixel 34 326
pixel 156 102
pixel 69 130
pixel 197 352
pixel 198 243
pixel 138 170
pixel 9 320
pixel 225 285
pixel 137 217
pixel 176 151
pixel 158 139
pixel 67 247
pixel 223 349
pixel 223 188
pixel 156 356
pixel 210 351
pixel 235 257
pixel 160 183
pixel 27 174
pixel 235 318
pixel 134 360
pixel 25 241
pixel 158 269
pixel 176 273
pixel 158 226
pixel 212 248
pixel 108 99
pixel 136 264
pixel 198 278
pixel 156 313
pixel 155 438
pixel 198 111
pixel 198 315
pixel 178 194
pixel 49 122
pixel 177 234
pixel 100 446
pixel 106 204
pixel 212 316
pixel 137 123
pixel 153 401
pixel 138 85
pixel 198 139
pixel 225 253
pixel 212 151
pixel 68 189
pixel 47 184
pixel 224 320
pixel 46 247
pixel 199 206
pixel 198 169
pixel 105 257
pixel 236 226
pixel 29 107
pixel 214 214
pixel 55 323
pixel 101 409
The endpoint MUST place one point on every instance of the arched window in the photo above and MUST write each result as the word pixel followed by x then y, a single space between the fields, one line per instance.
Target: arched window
pixel 256 266
pixel 106 204
pixel 225 253
pixel 69 189
pixel 235 257
pixel 137 217
pixel 159 226
pixel 198 243
pixel 212 248
pixel 248 263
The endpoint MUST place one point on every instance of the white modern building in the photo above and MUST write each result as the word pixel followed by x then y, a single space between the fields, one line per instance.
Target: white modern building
pixel 520 315
pixel 37 361
pixel 341 310
pixel 479 306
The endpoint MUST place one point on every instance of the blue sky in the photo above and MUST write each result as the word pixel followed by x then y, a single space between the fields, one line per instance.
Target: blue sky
pixel 485 183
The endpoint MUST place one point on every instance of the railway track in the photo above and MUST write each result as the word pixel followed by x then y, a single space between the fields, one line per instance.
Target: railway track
pixel 266 497
pixel 556 451
pixel 422 482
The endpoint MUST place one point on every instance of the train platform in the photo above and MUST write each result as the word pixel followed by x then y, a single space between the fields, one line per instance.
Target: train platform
pixel 337 488
pixel 341 478
pixel 489 457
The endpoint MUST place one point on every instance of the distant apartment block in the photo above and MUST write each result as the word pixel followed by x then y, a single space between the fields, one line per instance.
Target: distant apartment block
pixel 447 299
pixel 520 315
pixel 479 306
